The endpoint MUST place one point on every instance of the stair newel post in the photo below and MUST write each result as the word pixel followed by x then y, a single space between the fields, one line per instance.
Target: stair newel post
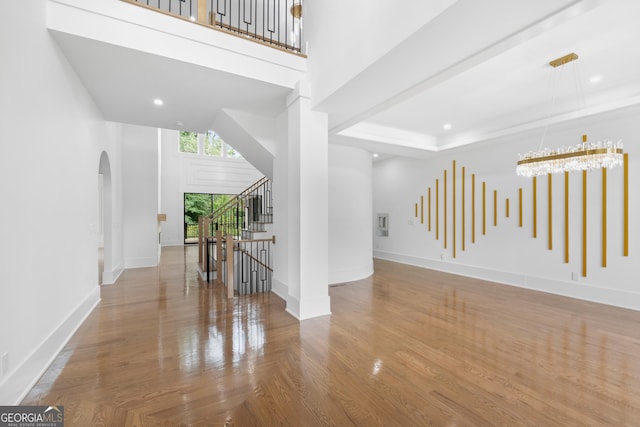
pixel 200 243
pixel 230 278
pixel 219 257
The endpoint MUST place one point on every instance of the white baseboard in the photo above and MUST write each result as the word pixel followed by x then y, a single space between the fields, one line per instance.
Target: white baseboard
pixel 578 290
pixel 16 386
pixel 140 262
pixel 171 243
pixel 109 277
pixel 350 275
pixel 279 288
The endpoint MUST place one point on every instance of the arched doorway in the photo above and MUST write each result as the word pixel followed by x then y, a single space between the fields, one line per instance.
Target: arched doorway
pixel 105 242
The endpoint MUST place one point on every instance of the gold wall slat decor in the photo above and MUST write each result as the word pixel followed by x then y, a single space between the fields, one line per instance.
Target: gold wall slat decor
pixel 535 207
pixel 495 208
pixel 507 208
pixel 484 208
pixel 550 206
pixel 421 209
pixel 625 250
pixel 566 217
pixel 444 199
pixel 437 210
pixel 463 210
pixel 453 173
pixel 604 217
pixel 416 210
pixel 429 208
pixel 584 223
pixel 520 207
pixel 473 208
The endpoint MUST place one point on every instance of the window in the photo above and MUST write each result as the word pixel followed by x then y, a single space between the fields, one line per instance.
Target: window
pixel 197 205
pixel 188 142
pixel 213 145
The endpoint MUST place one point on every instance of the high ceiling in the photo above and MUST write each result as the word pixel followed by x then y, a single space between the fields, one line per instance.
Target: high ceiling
pixel 485 76
pixel 511 87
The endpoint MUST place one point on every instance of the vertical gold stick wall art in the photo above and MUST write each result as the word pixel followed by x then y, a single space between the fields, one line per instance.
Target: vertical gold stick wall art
pixel 625 207
pixel 484 208
pixel 444 199
pixel 453 173
pixel 473 208
pixel 495 208
pixel 584 223
pixel 437 210
pixel 604 217
pixel 463 210
pixel 535 207
pixel 429 213
pixel 566 217
pixel 520 207
pixel 459 199
pixel 550 220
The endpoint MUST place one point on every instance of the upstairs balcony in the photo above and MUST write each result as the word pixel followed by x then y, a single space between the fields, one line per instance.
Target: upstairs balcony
pixel 277 23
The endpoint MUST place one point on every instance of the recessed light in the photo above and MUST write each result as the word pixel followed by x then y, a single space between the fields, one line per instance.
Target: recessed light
pixel 158 101
pixel 446 126
pixel 595 79
pixel 375 154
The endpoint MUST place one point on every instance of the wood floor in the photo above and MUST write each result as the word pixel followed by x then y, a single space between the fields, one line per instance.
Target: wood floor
pixel 407 347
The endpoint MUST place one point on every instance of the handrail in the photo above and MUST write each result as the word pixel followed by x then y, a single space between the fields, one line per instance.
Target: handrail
pixel 241 265
pixel 250 210
pixel 277 25
pixel 246 253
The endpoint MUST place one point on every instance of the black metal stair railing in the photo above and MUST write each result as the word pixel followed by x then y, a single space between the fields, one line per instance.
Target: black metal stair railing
pixel 228 245
pixel 274 22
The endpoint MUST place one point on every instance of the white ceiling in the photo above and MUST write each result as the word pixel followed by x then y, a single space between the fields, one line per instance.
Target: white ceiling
pixel 517 88
pixel 500 88
pixel 124 82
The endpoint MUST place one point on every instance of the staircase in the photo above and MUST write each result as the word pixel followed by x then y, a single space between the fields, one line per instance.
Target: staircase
pixel 235 241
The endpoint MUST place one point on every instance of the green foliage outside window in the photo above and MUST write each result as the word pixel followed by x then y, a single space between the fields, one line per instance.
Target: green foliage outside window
pixel 213 144
pixel 196 205
pixel 188 142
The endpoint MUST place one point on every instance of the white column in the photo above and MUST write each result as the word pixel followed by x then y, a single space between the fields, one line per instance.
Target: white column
pixel 304 174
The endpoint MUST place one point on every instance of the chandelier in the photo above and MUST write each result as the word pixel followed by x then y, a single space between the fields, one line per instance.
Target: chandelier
pixel 585 156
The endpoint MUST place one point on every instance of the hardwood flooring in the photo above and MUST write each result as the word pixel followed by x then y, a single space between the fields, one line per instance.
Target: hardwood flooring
pixel 406 347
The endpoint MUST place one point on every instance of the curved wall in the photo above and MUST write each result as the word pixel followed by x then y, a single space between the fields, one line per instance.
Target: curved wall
pixel 350 217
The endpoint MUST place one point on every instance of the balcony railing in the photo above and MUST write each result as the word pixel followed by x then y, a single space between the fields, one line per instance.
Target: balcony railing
pixel 277 23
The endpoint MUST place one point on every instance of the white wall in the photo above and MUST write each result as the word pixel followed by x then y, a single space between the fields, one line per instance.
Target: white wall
pixel 191 173
pixel 52 136
pixel 354 34
pixel 140 202
pixel 508 253
pixel 350 219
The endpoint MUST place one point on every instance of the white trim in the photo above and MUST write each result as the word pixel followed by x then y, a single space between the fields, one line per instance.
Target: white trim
pixel 350 275
pixel 582 291
pixel 109 277
pixel 279 288
pixel 140 262
pixel 17 385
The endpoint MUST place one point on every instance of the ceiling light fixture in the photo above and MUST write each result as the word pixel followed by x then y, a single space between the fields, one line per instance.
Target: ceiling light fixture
pixel 375 155
pixel 158 102
pixel 585 156
pixel 446 126
pixel 595 79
